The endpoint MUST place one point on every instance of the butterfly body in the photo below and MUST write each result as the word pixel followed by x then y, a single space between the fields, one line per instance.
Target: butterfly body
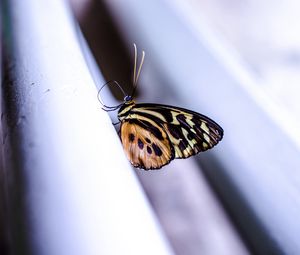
pixel 152 134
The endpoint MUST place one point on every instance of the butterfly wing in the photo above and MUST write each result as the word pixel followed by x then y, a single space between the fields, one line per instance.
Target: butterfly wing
pixel 189 132
pixel 177 132
pixel 146 144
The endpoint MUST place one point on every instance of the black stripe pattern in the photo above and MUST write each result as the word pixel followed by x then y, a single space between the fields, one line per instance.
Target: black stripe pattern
pixel 188 132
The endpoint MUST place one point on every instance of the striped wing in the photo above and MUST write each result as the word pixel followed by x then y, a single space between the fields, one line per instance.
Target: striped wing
pixel 186 133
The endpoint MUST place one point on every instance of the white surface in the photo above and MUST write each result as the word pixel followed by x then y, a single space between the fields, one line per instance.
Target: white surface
pixel 82 196
pixel 263 39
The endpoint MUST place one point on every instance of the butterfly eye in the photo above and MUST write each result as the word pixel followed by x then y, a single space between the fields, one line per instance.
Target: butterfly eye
pixel 128 98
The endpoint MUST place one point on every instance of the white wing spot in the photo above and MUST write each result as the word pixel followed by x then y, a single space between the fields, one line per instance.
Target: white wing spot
pixel 189 121
pixel 204 127
pixel 205 145
pixel 206 137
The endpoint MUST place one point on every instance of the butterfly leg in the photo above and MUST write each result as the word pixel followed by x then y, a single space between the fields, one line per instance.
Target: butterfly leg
pixel 116 123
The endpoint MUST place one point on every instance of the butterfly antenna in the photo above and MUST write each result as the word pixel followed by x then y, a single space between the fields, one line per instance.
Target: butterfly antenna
pixel 137 74
pixel 106 107
pixel 135 60
pixel 140 67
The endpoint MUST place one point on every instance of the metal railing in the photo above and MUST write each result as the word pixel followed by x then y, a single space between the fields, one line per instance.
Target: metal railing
pixel 69 188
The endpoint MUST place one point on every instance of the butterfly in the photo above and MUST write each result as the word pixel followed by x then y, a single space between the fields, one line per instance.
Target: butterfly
pixel 153 135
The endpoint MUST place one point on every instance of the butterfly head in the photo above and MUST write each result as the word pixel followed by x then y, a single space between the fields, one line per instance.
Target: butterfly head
pixel 127 99
pixel 128 103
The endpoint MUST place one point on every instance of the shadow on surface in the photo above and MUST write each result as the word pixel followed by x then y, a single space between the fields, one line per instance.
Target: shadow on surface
pixel 248 224
pixel 107 46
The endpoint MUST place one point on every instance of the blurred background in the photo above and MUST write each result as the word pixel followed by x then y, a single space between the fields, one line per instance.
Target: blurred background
pixel 236 62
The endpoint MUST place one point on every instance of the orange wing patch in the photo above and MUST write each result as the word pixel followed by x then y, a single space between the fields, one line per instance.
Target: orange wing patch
pixel 146 148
